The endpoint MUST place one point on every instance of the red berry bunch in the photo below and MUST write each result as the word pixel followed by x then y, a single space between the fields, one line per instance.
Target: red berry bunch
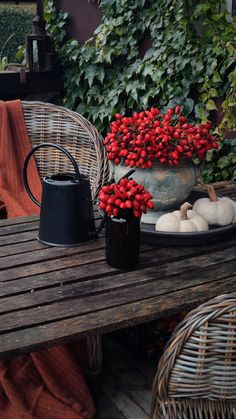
pixel 151 135
pixel 124 198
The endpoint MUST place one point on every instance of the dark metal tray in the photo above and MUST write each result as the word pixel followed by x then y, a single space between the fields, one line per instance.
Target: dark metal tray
pixel 214 234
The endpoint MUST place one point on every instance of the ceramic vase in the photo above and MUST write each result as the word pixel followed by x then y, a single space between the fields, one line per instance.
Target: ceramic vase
pixel 122 242
pixel 169 185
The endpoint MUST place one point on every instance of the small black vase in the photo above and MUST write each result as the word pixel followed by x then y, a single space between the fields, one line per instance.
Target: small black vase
pixel 122 242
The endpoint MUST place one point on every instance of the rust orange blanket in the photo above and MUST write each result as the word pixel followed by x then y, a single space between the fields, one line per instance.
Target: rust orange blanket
pixel 47 384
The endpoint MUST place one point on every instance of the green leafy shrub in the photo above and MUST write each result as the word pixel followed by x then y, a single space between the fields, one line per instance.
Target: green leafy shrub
pixel 221 163
pixel 108 75
pixel 17 22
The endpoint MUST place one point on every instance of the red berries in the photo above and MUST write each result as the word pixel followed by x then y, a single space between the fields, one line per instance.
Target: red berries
pixel 119 199
pixel 150 135
pixel 177 110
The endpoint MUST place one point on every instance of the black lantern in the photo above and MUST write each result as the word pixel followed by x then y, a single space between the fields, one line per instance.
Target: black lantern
pixel 39 45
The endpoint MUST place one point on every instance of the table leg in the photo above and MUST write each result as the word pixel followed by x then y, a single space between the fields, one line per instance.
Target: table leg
pixel 95 353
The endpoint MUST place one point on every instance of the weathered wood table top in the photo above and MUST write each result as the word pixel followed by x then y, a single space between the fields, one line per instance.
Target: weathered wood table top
pixel 51 295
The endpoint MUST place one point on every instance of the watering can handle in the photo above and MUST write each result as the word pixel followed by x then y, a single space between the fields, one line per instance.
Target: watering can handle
pixel 37 147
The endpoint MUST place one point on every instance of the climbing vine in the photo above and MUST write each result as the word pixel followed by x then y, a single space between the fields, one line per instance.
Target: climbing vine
pixel 191 61
pixel 221 163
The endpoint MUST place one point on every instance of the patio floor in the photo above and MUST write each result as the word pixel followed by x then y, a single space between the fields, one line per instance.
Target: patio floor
pixel 123 391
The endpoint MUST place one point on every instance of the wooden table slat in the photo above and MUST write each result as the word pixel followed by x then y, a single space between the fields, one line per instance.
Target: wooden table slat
pixel 44 266
pixel 69 301
pixel 63 331
pixel 20 220
pixel 6 230
pixel 20 248
pixel 78 272
pixel 159 269
pixel 50 295
pixel 47 254
pixel 19 238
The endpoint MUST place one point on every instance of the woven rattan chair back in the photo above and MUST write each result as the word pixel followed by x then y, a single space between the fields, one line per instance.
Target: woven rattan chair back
pixel 196 376
pixel 46 122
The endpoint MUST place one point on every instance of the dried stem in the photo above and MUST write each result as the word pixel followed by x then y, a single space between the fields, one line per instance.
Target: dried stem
pixel 183 210
pixel 212 193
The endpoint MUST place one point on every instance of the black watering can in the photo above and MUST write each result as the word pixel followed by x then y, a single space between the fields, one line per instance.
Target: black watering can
pixel 66 214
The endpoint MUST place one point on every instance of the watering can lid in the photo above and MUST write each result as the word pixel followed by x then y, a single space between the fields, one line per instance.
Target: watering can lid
pixel 65 179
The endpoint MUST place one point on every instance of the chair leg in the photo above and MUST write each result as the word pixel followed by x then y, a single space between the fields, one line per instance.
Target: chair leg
pixel 95 353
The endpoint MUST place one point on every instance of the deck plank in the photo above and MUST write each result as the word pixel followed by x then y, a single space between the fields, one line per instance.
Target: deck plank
pixel 122 399
pixel 130 391
pixel 106 408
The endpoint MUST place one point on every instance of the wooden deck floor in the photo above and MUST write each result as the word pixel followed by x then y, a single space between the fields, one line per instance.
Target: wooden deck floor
pixel 123 391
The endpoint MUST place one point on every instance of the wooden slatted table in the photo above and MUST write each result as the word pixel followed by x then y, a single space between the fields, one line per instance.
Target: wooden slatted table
pixel 54 295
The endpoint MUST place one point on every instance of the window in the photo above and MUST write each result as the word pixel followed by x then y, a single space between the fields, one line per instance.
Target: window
pixel 231 6
pixel 234 7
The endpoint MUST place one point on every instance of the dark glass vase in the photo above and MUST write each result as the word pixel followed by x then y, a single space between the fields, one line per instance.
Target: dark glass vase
pixel 122 242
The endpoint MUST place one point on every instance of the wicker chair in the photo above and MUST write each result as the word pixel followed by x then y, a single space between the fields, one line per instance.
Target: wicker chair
pixel 46 122
pixel 196 377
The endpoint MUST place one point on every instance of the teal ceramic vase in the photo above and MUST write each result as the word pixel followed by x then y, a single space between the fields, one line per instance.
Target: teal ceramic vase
pixel 169 185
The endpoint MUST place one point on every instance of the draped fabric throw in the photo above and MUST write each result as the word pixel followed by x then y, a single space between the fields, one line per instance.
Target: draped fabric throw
pixel 47 384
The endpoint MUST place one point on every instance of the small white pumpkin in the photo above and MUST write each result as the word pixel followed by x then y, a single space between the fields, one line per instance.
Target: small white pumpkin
pixel 184 221
pixel 234 205
pixel 215 210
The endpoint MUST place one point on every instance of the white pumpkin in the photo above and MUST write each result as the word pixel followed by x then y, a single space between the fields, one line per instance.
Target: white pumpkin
pixel 215 210
pixel 234 205
pixel 184 221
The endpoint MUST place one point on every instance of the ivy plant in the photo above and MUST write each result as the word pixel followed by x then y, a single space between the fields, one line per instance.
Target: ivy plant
pixel 221 163
pixel 191 61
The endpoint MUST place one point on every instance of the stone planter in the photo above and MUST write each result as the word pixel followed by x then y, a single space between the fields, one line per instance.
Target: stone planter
pixel 169 185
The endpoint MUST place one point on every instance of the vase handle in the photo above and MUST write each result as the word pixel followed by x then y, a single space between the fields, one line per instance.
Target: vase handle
pixel 128 174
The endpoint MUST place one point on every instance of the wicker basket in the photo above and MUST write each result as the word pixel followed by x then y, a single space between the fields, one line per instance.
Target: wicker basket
pixel 196 376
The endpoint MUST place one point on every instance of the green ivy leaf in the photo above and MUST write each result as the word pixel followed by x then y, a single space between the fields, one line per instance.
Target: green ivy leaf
pixel 216 77
pixel 106 54
pixel 188 106
pixel 223 162
pixel 210 105
pixel 201 9
pixel 90 74
pixel 100 74
pixel 225 173
pixel 213 93
pixel 204 96
pixel 231 142
pixel 130 102
pixel 82 108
